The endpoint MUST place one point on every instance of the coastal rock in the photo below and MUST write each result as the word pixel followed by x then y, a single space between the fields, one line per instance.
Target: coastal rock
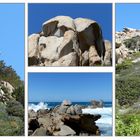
pixel 63 120
pixel 77 123
pixel 39 132
pixel 96 104
pixel 33 124
pixel 64 41
pixel 65 131
pixel 66 103
pixel 32 114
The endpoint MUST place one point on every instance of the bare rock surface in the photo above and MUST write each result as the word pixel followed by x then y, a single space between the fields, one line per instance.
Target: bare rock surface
pixel 64 41
pixel 63 120
pixel 127 43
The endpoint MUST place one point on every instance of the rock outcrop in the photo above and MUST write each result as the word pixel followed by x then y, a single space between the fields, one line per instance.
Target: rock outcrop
pixel 96 104
pixel 63 120
pixel 127 43
pixel 64 41
pixel 6 90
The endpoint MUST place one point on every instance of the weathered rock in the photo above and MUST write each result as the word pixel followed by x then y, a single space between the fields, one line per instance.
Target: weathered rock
pixel 71 110
pixel 66 42
pixel 89 33
pixel 32 114
pixel 42 112
pixel 85 58
pixel 64 120
pixel 96 104
pixel 39 132
pixel 84 123
pixel 33 124
pixel 6 90
pixel 94 58
pixel 78 109
pixel 65 131
pixel 69 43
pixel 51 45
pixel 8 87
pixel 66 103
pixel 33 51
pixel 127 43
pixel 68 60
pixel 58 26
pixel 108 53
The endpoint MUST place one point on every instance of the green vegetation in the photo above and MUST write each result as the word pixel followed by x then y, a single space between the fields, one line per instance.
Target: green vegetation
pixel 10 125
pixel 128 90
pixel 8 74
pixel 123 66
pixel 128 125
pixel 11 104
pixel 128 97
pixel 133 43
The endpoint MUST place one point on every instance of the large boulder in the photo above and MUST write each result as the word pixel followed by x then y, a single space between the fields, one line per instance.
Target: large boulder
pixel 64 41
pixel 94 58
pixel 68 60
pixel 58 26
pixel 69 43
pixel 7 86
pixel 97 104
pixel 65 131
pixel 51 46
pixel 108 53
pixel 40 132
pixel 32 114
pixel 33 51
pixel 89 33
pixel 66 103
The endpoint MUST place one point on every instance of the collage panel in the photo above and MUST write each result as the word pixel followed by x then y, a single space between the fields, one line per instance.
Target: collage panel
pixel 69 104
pixel 127 69
pixel 12 69
pixel 70 34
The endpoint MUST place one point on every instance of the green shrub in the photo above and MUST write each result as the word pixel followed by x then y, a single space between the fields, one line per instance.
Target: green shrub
pixel 12 126
pixel 128 125
pixel 14 108
pixel 123 66
pixel 132 43
pixel 18 94
pixel 128 90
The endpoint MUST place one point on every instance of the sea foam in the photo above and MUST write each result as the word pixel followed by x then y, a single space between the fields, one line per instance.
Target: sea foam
pixel 105 122
pixel 38 106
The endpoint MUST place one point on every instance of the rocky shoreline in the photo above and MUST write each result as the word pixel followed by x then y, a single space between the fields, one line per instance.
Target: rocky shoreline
pixel 63 120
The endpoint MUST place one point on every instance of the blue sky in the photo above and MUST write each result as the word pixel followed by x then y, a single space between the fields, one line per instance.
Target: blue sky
pixel 127 15
pixel 12 36
pixel 71 86
pixel 102 13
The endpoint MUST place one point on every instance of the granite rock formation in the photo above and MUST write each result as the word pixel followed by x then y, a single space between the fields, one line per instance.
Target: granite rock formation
pixel 127 43
pixel 63 120
pixel 64 41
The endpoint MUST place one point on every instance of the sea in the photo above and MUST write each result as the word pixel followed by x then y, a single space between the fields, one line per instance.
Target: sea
pixel 104 123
